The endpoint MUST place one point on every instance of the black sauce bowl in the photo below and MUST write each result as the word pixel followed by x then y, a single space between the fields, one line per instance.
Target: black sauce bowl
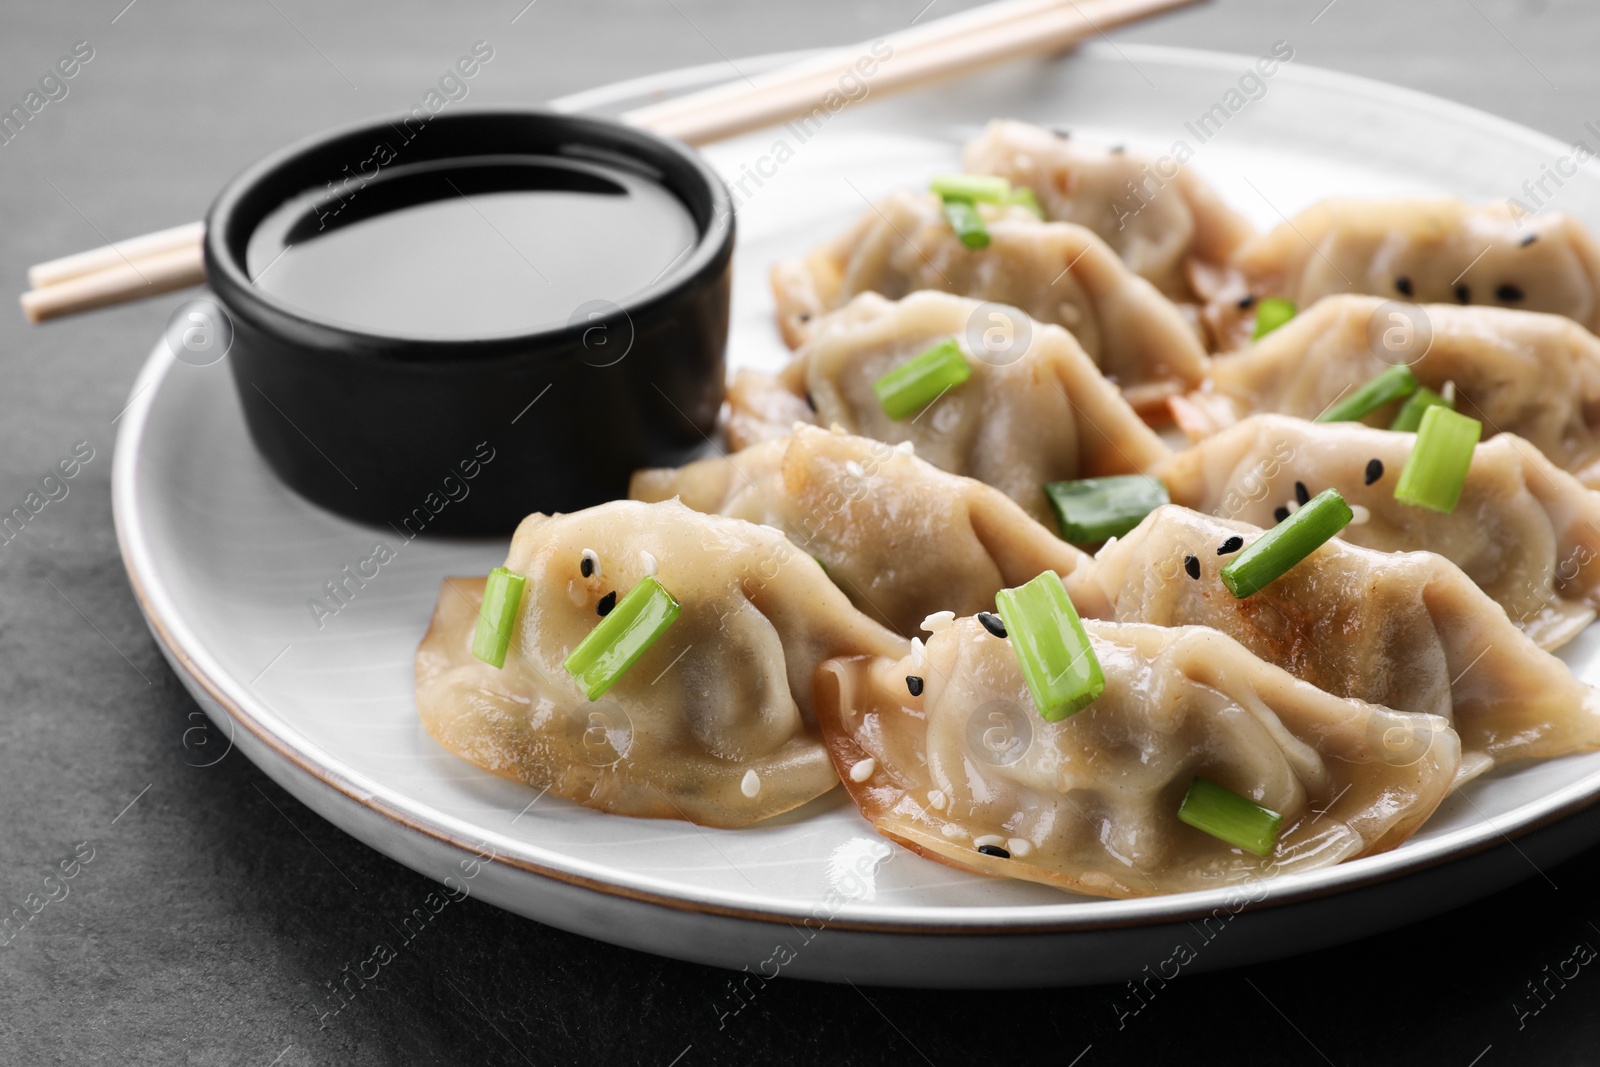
pixel 465 437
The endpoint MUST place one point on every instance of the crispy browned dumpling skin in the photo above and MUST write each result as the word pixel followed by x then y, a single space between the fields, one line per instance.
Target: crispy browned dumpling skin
pixel 901 538
pixel 1526 532
pixel 1090 803
pixel 1406 630
pixel 1055 272
pixel 725 692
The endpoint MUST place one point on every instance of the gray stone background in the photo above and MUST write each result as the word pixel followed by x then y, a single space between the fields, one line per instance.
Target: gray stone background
pixel 206 926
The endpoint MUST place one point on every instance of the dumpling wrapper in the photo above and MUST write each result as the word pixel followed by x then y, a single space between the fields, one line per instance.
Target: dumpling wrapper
pixel 901 538
pixel 1536 376
pixel 1447 250
pixel 725 691
pixel 1055 272
pixel 1090 803
pixel 1162 228
pixel 1406 630
pixel 1045 416
pixel 1526 532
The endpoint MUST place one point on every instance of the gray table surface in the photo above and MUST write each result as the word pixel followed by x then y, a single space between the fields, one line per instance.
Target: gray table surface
pixel 208 925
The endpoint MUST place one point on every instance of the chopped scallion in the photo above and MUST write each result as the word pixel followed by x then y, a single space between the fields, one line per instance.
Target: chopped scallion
pixel 1269 556
pixel 1023 197
pixel 1093 509
pixel 1436 471
pixel 1058 664
pixel 968 224
pixel 972 188
pixel 1410 416
pixel 1271 313
pixel 919 382
pixel 1229 817
pixel 622 637
pixel 1380 389
pixel 502 596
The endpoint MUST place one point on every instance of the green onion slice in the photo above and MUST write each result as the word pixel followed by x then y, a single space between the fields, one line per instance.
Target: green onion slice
pixel 1023 197
pixel 502 596
pixel 1269 556
pixel 968 224
pixel 1271 313
pixel 1436 471
pixel 1094 509
pixel 918 382
pixel 972 188
pixel 1410 416
pixel 1380 389
pixel 1230 817
pixel 622 637
pixel 1057 661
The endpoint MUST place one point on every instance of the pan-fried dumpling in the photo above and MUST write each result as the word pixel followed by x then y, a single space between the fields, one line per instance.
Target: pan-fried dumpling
pixel 1056 272
pixel 1044 416
pixel 713 724
pixel 1537 376
pixel 901 538
pixel 1526 532
pixel 1406 630
pixel 968 774
pixel 1161 224
pixel 1441 250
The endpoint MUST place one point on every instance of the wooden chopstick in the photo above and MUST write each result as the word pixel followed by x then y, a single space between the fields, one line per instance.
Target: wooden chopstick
pixel 956 44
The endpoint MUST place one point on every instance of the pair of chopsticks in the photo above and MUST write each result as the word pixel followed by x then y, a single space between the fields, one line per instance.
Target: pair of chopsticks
pixel 943 48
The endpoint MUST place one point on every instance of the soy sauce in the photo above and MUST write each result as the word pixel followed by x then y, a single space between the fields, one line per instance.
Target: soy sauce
pixel 471 248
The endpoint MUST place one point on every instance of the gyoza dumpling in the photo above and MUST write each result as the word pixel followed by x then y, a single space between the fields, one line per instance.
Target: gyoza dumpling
pixel 713 724
pixel 1043 415
pixel 1537 376
pixel 1053 271
pixel 1406 630
pixel 967 773
pixel 900 537
pixel 1160 224
pixel 1526 532
pixel 1438 250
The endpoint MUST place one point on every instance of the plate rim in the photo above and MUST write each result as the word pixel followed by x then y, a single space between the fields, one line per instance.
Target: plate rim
pixel 186 649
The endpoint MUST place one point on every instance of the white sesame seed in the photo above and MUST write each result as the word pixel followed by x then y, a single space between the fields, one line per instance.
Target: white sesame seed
pixel 594 559
pixel 936 799
pixel 1291 506
pixel 1359 515
pixel 906 448
pixel 854 469
pixel 994 840
pixel 1449 391
pixel 939 620
pixel 1019 846
pixel 751 784
pixel 919 653
pixel 952 830
pixel 648 562
pixel 577 593
pixel 863 770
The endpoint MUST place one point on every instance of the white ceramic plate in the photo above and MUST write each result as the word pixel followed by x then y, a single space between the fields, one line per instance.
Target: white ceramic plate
pixel 224 560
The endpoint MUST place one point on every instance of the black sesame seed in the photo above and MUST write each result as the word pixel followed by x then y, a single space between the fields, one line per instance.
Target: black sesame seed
pixel 586 568
pixel 1463 294
pixel 1282 512
pixel 994 850
pixel 1117 149
pixel 607 602
pixel 1191 564
pixel 1374 470
pixel 1403 285
pixel 1508 293
pixel 1528 240
pixel 1247 302
pixel 1231 545
pixel 804 316
pixel 992 623
pixel 914 684
pixel 1301 494
pixel 1061 132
